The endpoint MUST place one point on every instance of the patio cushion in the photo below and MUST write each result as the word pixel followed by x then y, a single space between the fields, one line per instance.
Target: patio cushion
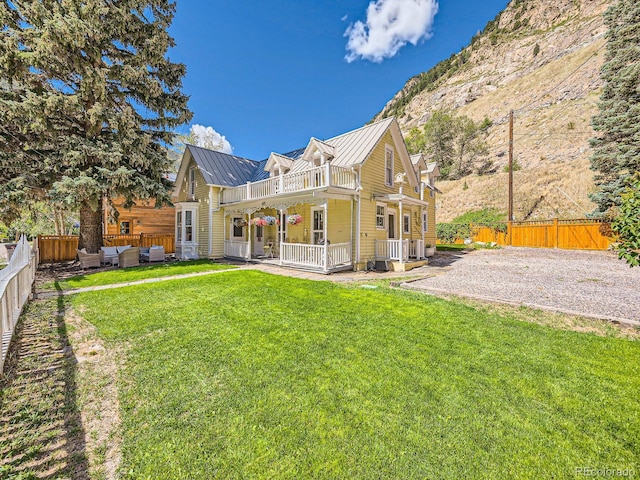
pixel 109 251
pixel 144 249
pixel 123 248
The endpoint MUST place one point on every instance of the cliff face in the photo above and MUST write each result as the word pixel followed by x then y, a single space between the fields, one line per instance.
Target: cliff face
pixel 541 59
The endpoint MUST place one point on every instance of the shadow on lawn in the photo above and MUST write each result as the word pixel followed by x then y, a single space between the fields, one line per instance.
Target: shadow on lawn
pixel 41 433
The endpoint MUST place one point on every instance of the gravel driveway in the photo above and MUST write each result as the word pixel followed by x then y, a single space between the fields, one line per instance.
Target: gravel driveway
pixel 593 284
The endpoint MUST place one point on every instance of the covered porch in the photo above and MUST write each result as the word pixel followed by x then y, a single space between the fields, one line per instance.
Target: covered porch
pixel 313 232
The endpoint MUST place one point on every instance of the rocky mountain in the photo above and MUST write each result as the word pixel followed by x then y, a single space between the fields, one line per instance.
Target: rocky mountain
pixel 541 59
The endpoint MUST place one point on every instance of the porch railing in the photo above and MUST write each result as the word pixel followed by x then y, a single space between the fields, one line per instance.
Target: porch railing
pixel 312 256
pixel 390 249
pixel 317 177
pixel 236 249
pixel 15 286
pixel 416 249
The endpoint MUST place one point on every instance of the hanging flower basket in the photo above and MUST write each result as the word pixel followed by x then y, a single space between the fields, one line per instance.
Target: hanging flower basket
pixel 240 222
pixel 294 219
pixel 259 222
pixel 271 220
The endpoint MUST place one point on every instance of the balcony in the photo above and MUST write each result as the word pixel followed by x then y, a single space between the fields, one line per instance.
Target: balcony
pixel 316 178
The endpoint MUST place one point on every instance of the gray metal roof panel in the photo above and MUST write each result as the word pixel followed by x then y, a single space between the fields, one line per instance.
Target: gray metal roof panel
pixel 223 169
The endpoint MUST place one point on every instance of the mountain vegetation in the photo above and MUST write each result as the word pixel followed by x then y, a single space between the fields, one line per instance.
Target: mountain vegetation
pixel 542 60
pixel 87 106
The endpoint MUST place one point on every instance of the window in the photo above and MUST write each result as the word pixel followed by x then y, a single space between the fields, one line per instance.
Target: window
pixel 188 226
pixel 425 222
pixel 406 223
pixel 179 226
pixel 192 182
pixel 125 228
pixel 388 167
pixel 318 226
pixel 238 230
pixel 431 193
pixel 380 215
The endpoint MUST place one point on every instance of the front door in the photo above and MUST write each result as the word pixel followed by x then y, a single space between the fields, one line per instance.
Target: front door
pixel 258 240
pixel 391 224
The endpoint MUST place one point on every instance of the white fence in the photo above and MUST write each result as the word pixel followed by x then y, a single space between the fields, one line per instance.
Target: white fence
pixel 236 249
pixel 416 249
pixel 15 286
pixel 318 177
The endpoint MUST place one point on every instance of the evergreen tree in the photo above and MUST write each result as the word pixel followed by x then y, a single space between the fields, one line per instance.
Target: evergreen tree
pixel 616 154
pixel 88 101
pixel 454 142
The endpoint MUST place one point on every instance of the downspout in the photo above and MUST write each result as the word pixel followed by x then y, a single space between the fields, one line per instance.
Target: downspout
pixel 210 221
pixel 358 233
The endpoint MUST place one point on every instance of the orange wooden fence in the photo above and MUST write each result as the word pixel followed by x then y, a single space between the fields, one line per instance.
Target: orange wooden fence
pixel 577 234
pixel 62 248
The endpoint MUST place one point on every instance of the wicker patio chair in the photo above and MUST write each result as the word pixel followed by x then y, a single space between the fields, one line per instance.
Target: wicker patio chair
pixel 129 257
pixel 88 260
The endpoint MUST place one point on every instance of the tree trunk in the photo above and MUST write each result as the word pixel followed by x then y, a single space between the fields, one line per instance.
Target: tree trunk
pixel 90 228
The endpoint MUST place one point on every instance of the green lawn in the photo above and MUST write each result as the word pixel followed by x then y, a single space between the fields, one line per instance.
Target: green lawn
pixel 132 274
pixel 250 375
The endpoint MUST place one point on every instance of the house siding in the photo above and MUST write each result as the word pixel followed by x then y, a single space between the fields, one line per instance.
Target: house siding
pixel 202 215
pixel 373 182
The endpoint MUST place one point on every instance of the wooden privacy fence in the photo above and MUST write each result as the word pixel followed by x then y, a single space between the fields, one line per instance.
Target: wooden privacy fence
pixel 62 248
pixel 577 234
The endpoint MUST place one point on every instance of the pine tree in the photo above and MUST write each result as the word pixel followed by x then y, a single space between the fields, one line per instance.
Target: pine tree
pixel 616 154
pixel 89 101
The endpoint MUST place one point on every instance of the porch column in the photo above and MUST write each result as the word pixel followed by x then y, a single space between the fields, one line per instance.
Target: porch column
pixel 282 226
pixel 248 236
pixel 224 233
pixel 352 236
pixel 422 230
pixel 324 233
pixel 401 225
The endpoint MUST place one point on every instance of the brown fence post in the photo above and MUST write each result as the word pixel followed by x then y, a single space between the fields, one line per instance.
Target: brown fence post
pixel 509 230
pixel 555 227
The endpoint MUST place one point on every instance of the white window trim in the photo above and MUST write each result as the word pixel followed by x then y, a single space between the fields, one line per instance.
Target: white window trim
pixel 192 182
pixel 425 222
pixel 182 225
pixel 384 216
pixel 408 224
pixel 312 236
pixel 232 228
pixel 388 181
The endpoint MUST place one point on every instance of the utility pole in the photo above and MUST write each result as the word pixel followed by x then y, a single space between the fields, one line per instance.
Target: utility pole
pixel 510 217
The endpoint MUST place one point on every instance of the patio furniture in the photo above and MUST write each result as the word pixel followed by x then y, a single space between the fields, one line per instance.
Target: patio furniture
pixel 155 253
pixel 109 255
pixel 88 260
pixel 129 257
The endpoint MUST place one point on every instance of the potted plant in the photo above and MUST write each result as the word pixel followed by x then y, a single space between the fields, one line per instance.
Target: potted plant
pixel 240 222
pixel 294 219
pixel 429 250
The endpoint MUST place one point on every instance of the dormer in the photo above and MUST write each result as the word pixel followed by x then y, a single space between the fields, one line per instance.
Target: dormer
pixel 278 164
pixel 318 152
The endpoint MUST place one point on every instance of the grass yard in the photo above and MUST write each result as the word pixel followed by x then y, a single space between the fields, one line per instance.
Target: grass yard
pixel 250 375
pixel 132 274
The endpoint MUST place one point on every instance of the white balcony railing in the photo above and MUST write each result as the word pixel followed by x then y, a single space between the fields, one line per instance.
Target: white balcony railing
pixel 236 249
pixel 390 249
pixel 318 177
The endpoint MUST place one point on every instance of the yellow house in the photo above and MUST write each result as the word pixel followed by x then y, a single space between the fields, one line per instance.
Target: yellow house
pixel 360 191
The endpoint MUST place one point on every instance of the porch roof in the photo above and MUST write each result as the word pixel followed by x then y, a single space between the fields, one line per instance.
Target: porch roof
pixel 396 197
pixel 294 198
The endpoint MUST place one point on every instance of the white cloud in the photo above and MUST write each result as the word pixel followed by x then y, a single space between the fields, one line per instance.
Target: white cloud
pixel 389 26
pixel 344 18
pixel 207 137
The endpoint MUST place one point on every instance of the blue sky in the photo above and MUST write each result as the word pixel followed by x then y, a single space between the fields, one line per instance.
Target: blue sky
pixel 269 75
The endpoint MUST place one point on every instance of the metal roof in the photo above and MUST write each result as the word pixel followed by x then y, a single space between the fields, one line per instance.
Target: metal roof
pixel 223 169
